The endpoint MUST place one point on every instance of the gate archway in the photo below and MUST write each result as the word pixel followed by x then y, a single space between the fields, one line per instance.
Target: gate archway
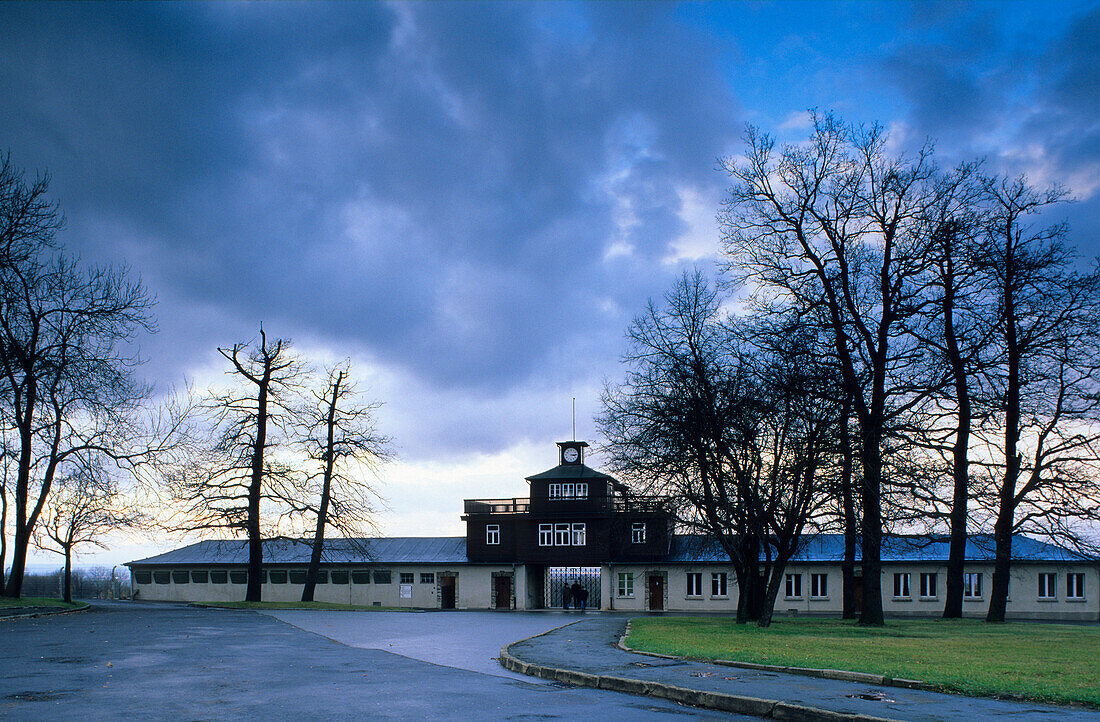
pixel 557 578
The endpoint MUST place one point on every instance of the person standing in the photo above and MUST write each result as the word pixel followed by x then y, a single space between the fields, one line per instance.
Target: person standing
pixel 583 596
pixel 566 596
pixel 578 590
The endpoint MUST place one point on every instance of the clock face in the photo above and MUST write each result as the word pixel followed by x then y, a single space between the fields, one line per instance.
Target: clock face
pixel 570 454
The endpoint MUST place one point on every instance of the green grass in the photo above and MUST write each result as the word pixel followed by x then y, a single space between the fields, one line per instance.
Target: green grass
pixel 9 602
pixel 1044 662
pixel 327 606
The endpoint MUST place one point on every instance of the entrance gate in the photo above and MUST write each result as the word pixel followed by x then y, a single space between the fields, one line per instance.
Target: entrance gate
pixel 558 578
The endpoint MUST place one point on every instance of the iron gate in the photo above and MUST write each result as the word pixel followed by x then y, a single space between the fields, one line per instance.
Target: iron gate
pixel 558 578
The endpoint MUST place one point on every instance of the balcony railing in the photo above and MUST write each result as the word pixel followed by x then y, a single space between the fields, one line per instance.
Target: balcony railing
pixel 523 505
pixel 497 506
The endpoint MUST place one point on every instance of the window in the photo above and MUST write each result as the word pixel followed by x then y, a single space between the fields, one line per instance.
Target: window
pixel 561 535
pixel 202 577
pixel 219 577
pixel 901 585
pixel 492 533
pixel 181 577
pixel 626 584
pixel 819 585
pixel 695 584
pixel 263 576
pixel 637 532
pixel 407 577
pixel 297 576
pixel 322 576
pixel 1075 586
pixel 1046 585
pixel 143 578
pixel 162 577
pixel 972 585
pixel 578 535
pixel 555 491
pixel 794 585
pixel 360 576
pixel 718 584
pixel 928 584
pixel 427 577
pixel 238 577
pixel 339 576
pixel 278 576
pixel 382 576
pixel 582 491
pixel 568 490
pixel 546 535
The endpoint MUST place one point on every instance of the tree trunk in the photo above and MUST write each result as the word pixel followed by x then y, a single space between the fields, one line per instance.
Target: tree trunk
pixel 871 529
pixel 254 593
pixel 956 556
pixel 851 530
pixel 68 596
pixel 326 491
pixel 767 610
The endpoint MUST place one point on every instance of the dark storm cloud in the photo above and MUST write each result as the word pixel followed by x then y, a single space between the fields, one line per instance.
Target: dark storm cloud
pixel 438 183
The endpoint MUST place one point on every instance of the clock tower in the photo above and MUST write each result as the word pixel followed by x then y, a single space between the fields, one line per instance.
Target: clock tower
pixel 571 453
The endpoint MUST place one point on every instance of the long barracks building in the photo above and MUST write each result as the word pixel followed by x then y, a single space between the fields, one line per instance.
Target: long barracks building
pixel 580 525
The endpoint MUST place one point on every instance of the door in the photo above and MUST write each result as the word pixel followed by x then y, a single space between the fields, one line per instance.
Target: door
pixel 656 593
pixel 502 592
pixel 446 592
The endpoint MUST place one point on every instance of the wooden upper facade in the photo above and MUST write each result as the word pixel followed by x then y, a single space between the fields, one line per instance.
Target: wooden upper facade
pixel 573 516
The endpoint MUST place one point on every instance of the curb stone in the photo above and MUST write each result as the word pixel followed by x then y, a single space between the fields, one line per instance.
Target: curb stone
pixel 724 702
pixel 32 615
pixel 837 674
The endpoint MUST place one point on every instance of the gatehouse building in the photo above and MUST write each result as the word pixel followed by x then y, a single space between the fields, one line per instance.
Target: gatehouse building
pixel 577 525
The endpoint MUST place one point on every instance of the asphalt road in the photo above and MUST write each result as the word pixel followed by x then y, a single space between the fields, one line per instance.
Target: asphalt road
pixel 153 661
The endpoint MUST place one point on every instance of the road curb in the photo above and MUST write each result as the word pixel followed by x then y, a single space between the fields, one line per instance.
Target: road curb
pixel 840 675
pixel 722 701
pixel 32 615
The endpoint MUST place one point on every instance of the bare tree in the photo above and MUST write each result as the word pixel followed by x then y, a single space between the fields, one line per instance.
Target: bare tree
pixel 85 507
pixel 1045 381
pixel 832 225
pixel 225 485
pixel 343 447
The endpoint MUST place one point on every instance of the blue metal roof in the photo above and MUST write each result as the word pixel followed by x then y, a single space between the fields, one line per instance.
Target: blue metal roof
pixel 821 548
pixel 386 550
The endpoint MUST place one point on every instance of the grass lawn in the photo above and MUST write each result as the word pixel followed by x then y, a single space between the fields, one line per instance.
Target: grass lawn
pixel 8 602
pixel 1047 662
pixel 326 606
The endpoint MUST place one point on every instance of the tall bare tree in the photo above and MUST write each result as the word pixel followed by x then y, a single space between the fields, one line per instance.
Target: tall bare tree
pixel 832 225
pixel 83 510
pixel 344 448
pixel 224 486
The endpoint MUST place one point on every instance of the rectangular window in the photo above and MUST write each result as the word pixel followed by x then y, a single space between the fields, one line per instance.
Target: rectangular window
pixel 162 577
pixel 407 577
pixel 360 576
pixel 143 578
pixel 238 577
pixel 546 535
pixel 382 576
pixel 637 532
pixel 427 577
pixel 928 584
pixel 339 576
pixel 819 585
pixel 1075 586
pixel 695 584
pixel 582 491
pixel 568 491
pixel 219 577
pixel 901 585
pixel 278 576
pixel 181 577
pixel 322 576
pixel 626 584
pixel 297 576
pixel 492 533
pixel 561 535
pixel 718 584
pixel 794 585
pixel 1046 585
pixel 972 585
pixel 555 491
pixel 579 535
pixel 200 577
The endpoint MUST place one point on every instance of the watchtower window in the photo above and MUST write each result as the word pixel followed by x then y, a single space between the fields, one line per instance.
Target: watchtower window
pixel 568 490
pixel 637 532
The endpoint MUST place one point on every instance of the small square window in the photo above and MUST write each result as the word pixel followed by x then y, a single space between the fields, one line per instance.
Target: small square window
pixel 407 577
pixel 162 577
pixel 427 577
pixel 238 576
pixel 143 578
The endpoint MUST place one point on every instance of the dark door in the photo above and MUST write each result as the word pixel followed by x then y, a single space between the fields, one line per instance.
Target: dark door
pixel 447 592
pixel 503 592
pixel 656 593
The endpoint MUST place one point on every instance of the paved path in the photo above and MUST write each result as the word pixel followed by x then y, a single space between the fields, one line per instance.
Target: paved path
pixel 158 661
pixel 587 646
pixel 463 640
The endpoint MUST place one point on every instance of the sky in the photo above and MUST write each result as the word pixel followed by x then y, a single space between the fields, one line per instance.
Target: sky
pixel 471 201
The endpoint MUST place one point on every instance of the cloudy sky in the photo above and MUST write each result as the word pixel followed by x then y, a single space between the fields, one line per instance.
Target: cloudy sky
pixel 471 201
